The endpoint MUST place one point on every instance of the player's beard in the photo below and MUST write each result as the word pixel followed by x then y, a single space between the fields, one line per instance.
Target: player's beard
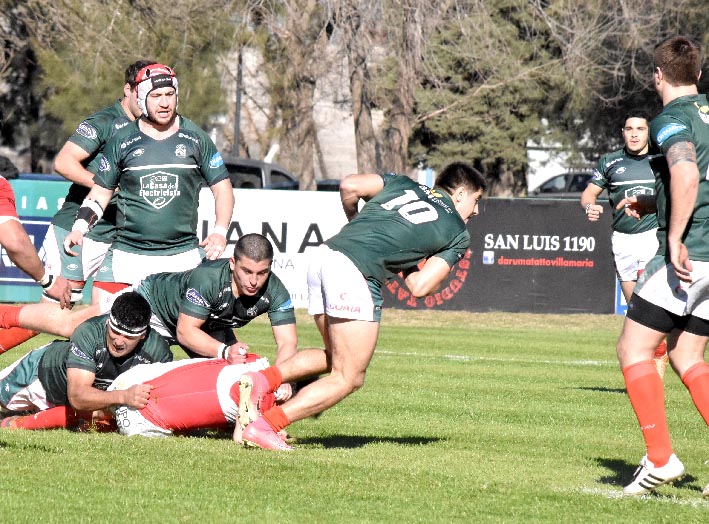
pixel 160 121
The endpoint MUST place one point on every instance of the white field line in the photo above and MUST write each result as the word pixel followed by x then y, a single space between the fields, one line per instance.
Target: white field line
pixel 469 358
pixel 608 493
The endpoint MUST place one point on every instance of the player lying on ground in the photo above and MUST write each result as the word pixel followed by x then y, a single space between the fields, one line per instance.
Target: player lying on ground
pixel 186 395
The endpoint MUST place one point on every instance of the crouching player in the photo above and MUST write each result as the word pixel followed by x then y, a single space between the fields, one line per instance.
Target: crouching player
pixel 188 394
pixel 63 382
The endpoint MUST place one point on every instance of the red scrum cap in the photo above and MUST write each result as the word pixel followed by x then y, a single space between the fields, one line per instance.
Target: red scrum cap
pixel 152 77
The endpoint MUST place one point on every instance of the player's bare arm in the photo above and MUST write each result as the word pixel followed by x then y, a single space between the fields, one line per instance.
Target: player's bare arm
pixel 588 202
pixel 95 202
pixel 684 187
pixel 68 163
pixel 84 397
pixel 428 278
pixel 354 187
pixel 21 250
pixel 191 336
pixel 286 338
pixel 215 243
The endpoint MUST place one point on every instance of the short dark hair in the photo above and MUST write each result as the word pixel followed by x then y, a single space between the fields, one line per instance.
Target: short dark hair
pixel 132 71
pixel 637 113
pixel 680 60
pixel 253 246
pixel 131 310
pixel 459 174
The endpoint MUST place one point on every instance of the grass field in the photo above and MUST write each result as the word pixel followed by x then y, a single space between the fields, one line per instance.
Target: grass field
pixel 463 418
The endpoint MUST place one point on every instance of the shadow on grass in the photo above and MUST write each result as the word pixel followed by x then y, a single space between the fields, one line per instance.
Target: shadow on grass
pixel 602 389
pixel 622 474
pixel 28 446
pixel 351 441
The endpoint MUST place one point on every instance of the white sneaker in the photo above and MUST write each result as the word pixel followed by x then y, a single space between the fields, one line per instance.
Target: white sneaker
pixel 647 477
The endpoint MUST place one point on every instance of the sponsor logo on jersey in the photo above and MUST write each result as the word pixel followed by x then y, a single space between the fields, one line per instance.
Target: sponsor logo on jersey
pixel 287 305
pixel 194 296
pixel 72 267
pixel 188 137
pixel 252 311
pixel 104 165
pixel 76 351
pixel 139 152
pixel 87 131
pixel 668 131
pixel 181 151
pixel 130 141
pixel 639 190
pixel 140 358
pixel 620 170
pixel 159 189
pixel 703 112
pixel 216 161
pixel 120 125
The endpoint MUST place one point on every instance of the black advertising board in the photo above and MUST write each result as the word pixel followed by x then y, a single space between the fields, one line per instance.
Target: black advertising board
pixel 526 255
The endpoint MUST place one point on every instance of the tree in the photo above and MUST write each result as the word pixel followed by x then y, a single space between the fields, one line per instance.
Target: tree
pixel 294 46
pixel 83 47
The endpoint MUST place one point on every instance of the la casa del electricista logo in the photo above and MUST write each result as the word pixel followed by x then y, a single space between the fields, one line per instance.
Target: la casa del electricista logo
pixel 456 278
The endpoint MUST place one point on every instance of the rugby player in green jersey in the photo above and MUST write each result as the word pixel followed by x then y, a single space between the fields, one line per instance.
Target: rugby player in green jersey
pixel 158 163
pixel 623 173
pixel 65 377
pixel 403 227
pixel 77 161
pixel 671 297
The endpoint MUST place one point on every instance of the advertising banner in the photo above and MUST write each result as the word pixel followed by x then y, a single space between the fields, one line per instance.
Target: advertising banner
pixel 296 223
pixel 527 255
pixel 37 200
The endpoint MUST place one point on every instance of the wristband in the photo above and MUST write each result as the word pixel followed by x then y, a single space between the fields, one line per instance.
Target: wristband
pixel 46 281
pixel 219 230
pixel 588 206
pixel 81 226
pixel 223 351
pixel 88 214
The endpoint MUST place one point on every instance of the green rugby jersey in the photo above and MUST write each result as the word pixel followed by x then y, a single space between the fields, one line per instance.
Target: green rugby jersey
pixel 159 183
pixel 624 175
pixel 205 293
pixel 685 119
pixel 400 226
pixel 91 136
pixel 87 350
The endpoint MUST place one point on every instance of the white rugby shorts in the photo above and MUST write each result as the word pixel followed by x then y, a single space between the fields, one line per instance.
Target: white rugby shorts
pixel 660 286
pixel 632 252
pixel 337 288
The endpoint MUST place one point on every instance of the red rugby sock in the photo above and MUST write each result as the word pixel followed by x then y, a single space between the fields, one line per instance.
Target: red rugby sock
pixel 11 337
pixel 647 397
pixel 696 379
pixel 274 377
pixel 276 418
pixel 10 316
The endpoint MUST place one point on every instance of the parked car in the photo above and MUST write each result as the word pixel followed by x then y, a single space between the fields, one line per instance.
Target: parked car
pixel 567 185
pixel 328 184
pixel 248 173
